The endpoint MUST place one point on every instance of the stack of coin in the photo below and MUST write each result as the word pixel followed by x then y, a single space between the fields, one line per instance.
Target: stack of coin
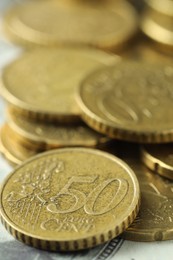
pixel 157 22
pixel 76 198
pixel 42 113
pixel 40 86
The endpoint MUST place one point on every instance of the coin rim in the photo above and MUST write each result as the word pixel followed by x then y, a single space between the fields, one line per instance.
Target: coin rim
pixel 35 141
pixel 150 29
pixel 6 154
pixel 155 164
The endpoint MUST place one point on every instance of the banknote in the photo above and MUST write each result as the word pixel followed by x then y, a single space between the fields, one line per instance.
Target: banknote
pixel 117 249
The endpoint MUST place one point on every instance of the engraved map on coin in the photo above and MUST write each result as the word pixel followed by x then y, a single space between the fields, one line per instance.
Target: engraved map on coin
pixel 77 198
pixel 131 101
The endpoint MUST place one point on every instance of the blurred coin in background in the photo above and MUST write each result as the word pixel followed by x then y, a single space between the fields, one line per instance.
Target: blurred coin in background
pixel 107 24
pixel 14 152
pixel 158 27
pixel 42 83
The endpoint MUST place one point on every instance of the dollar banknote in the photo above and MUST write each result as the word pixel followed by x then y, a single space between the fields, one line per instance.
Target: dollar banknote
pixel 117 249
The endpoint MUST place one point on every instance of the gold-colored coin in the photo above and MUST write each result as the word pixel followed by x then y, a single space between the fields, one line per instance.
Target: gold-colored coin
pixel 47 136
pixel 69 199
pixel 56 23
pixel 165 7
pixel 155 219
pixel 158 27
pixel 11 149
pixel 159 158
pixel 42 82
pixel 130 101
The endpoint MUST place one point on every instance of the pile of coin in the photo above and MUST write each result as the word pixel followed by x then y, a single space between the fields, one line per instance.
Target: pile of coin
pixel 76 98
pixel 157 22
pixel 42 112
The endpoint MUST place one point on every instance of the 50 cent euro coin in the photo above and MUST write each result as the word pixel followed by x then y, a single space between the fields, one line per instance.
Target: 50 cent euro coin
pixel 69 199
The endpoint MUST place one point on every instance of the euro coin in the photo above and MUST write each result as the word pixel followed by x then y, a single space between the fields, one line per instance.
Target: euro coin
pixel 165 7
pixel 105 25
pixel 131 101
pixel 41 84
pixel 159 158
pixel 11 149
pixel 155 218
pixel 47 136
pixel 158 27
pixel 69 199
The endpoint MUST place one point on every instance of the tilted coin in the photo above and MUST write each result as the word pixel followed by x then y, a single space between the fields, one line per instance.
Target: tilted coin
pixel 47 136
pixel 69 199
pixel 13 151
pixel 132 101
pixel 42 82
pixel 155 219
pixel 158 27
pixel 159 158
pixel 52 23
